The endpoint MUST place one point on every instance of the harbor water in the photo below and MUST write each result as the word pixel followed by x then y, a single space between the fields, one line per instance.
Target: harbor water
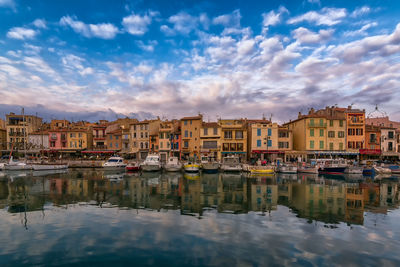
pixel 92 217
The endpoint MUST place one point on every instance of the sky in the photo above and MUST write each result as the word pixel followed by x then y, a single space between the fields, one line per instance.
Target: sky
pixel 97 59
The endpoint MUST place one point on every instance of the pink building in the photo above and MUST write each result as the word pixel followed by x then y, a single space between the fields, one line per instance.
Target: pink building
pixel 57 140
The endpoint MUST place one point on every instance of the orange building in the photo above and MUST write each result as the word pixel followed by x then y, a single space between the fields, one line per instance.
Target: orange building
pixel 355 120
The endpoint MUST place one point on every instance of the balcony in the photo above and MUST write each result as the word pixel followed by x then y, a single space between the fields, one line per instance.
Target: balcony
pixel 99 147
pixel 16 134
pixel 317 125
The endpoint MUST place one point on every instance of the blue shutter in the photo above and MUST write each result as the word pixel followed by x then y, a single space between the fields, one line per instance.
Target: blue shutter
pixel 269 132
pixel 258 143
pixel 269 142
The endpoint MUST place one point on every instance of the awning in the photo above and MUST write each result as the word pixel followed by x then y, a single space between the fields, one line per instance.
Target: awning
pixel 365 151
pixel 344 153
pixel 268 152
pixel 98 151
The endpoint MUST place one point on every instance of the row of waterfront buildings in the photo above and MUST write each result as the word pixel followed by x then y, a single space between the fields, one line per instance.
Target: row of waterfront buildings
pixel 333 131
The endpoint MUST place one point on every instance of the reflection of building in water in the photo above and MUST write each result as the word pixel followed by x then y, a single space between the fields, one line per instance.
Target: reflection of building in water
pixel 209 190
pixel 354 204
pixel 323 202
pixel 388 194
pixel 233 193
pixel 285 192
pixel 263 194
pixel 190 191
pixel 371 196
pixel 26 195
pixel 138 192
pixel 3 193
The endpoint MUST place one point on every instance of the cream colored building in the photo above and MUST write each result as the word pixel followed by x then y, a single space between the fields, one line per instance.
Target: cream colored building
pixel 389 142
pixel 210 140
pixel 140 137
pixel 233 138
pixel 164 139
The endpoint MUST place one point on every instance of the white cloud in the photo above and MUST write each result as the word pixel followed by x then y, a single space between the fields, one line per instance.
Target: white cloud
pixel 326 16
pixel 21 33
pixel 272 18
pixel 101 30
pixel 147 47
pixel 72 62
pixel 361 11
pixel 304 35
pixel 183 23
pixel 136 24
pixel 40 23
pixel 229 20
pixel 7 3
pixel 362 30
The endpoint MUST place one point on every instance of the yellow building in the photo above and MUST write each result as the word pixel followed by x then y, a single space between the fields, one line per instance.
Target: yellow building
pixel 3 135
pixel 190 134
pixel 164 139
pixel 18 127
pixel 210 140
pixel 321 132
pixel 77 139
pixel 264 194
pixel 268 141
pixel 233 138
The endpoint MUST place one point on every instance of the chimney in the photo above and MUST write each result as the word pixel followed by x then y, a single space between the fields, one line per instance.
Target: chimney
pixel 299 116
pixel 349 107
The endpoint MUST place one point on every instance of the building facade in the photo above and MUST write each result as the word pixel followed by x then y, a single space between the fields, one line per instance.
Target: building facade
pixel 190 134
pixel 210 140
pixel 233 138
pixel 18 128
pixel 355 120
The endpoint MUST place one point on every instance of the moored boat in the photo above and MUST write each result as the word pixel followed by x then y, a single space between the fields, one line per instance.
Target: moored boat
pixel 284 168
pixel 354 170
pixel 132 167
pixel 332 166
pixel 382 170
pixel 307 169
pixel 173 165
pixel 151 163
pixel 16 166
pixel 231 164
pixel 262 170
pixel 209 165
pixel 191 167
pixel 49 166
pixel 114 163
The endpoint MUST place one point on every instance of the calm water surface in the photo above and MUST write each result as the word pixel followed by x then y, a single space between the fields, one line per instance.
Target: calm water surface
pixel 97 218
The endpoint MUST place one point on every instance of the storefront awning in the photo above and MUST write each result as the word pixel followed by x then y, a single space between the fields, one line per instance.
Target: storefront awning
pixel 365 151
pixel 343 153
pixel 268 152
pixel 98 151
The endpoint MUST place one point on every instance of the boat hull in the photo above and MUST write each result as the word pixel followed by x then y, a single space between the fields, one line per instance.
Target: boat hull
pixel 42 167
pixel 17 167
pixel 225 168
pixel 150 168
pixel 172 168
pixel 210 167
pixel 192 168
pixel 311 170
pixel 332 170
pixel 132 168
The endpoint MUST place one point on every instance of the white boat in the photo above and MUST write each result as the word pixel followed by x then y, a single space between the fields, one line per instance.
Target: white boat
pixel 284 168
pixel 42 167
pixel 191 167
pixel 354 170
pixel 173 165
pixel 151 163
pixel 2 165
pixel 114 163
pixel 307 169
pixel 231 164
pixel 16 166
pixel 209 165
pixel 382 170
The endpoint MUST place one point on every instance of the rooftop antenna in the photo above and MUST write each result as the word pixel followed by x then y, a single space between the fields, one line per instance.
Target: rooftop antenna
pixel 270 117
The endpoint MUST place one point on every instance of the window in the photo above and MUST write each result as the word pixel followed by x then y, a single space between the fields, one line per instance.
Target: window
pixel 186 133
pixel 311 144
pixel 228 134
pixel 161 144
pixel 269 143
pixel 205 131
pixel 331 123
pixel 215 131
pixel 210 144
pixel 269 132
pixel 233 147
pixel 311 132
pixel 321 132
pixel 191 134
pixel 146 134
pixel 311 121
pixel 184 122
pixel 372 138
pixel 321 122
pixel 239 147
pixel 340 146
pixel 321 144
pixel 186 144
pixel 141 145
pixel 359 131
pixel 141 134
pixel 110 136
pixel 147 145
pixel 116 145
pixel 330 146
pixel 341 123
pixel 116 137
pixel 190 122
pixel 283 145
pixel 341 134
pixel 391 135
pixel 239 135
pixel 161 135
pixel 258 132
pixel 258 143
pixel 110 145
pixel 225 146
pixel 80 134
pixel 390 146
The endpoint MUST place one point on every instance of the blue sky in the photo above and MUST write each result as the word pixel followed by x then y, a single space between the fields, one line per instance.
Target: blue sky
pixel 175 58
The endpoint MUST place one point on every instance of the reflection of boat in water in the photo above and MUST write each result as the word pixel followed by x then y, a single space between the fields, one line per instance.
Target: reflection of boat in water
pixel 46 167
pixel 192 175
pixel 287 176
pixel 354 177
pixel 49 172
pixel 114 177
pixel 150 175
